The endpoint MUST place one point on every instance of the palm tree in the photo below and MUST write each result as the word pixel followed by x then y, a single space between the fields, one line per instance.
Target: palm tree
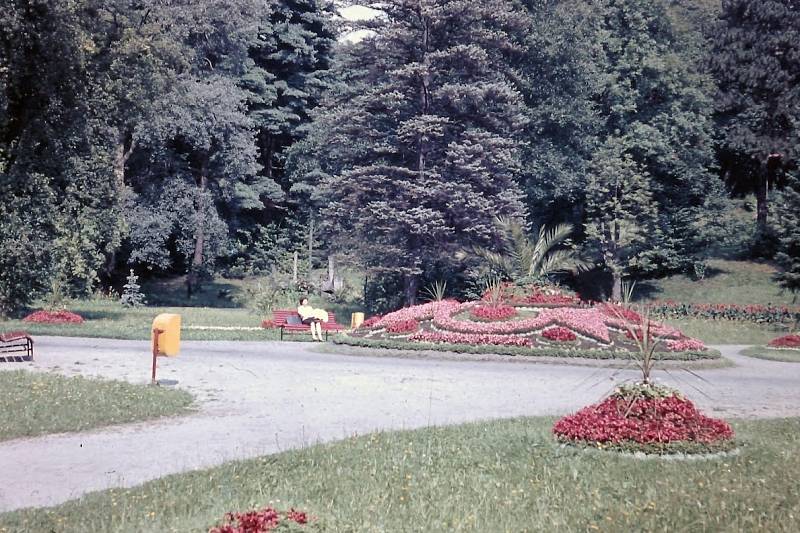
pixel 522 258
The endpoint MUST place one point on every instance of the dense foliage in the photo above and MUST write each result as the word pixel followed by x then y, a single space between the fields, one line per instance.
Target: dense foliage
pixel 251 137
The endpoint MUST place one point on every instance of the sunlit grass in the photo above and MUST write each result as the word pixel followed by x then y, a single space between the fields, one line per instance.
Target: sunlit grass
pixel 763 352
pixel 497 476
pixel 38 403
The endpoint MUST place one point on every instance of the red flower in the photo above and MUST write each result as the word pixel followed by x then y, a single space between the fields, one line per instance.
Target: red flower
pixel 559 334
pixel 260 521
pixel 267 324
pixel 54 317
pixel 403 326
pixel 787 341
pixel 493 312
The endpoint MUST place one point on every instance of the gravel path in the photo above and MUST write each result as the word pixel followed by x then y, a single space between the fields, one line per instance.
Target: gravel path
pixel 258 398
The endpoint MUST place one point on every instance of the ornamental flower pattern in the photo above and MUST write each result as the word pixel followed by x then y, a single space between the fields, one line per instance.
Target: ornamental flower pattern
pixel 448 337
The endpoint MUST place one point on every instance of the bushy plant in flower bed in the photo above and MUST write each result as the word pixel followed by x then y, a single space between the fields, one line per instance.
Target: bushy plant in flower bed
pixel 403 326
pixel 559 334
pixel 786 342
pixel 264 521
pixel 54 317
pixel 645 418
pixel 537 295
pixel 493 312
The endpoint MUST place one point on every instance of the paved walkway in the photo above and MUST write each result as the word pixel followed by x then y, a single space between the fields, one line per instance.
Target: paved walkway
pixel 258 398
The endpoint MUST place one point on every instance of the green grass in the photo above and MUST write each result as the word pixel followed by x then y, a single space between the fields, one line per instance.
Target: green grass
pixel 497 476
pixel 728 331
pixel 735 282
pixel 762 352
pixel 37 403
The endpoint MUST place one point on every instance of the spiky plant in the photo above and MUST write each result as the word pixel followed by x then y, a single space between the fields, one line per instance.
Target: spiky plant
pixel 435 292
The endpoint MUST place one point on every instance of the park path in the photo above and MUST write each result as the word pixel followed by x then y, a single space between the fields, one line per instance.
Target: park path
pixel 257 398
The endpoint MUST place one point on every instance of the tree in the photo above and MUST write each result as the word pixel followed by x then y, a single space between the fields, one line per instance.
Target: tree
pixel 787 225
pixel 426 136
pixel 756 62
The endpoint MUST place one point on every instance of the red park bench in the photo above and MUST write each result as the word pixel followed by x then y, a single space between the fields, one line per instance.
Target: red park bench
pixel 288 320
pixel 13 343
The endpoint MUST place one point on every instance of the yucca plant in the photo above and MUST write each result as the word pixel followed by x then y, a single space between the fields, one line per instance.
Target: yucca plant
pixel 522 258
pixel 435 292
pixel 646 342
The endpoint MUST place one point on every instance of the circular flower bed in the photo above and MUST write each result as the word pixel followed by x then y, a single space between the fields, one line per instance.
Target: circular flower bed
pixel 786 342
pixel 645 418
pixel 493 312
pixel 54 317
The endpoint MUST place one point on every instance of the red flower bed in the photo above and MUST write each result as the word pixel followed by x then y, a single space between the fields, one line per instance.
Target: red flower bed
pixel 267 324
pixel 261 521
pixel 448 337
pixel 493 312
pixel 403 326
pixel 371 321
pixel 642 420
pixel 54 317
pixel 787 341
pixel 686 345
pixel 620 313
pixel 559 334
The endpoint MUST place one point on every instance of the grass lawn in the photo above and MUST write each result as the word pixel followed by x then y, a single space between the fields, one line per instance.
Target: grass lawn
pixel 38 403
pixel 497 476
pixel 763 352
pixel 730 282
pixel 728 331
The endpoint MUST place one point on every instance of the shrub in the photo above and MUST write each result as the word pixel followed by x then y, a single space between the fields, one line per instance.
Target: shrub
pixel 749 313
pixel 787 341
pixel 54 317
pixel 559 334
pixel 132 292
pixel 493 312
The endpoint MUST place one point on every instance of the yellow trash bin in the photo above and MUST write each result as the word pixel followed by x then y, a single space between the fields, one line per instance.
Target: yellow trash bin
pixel 169 340
pixel 356 319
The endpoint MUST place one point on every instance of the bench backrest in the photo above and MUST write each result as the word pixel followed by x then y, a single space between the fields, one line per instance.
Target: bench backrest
pixel 279 316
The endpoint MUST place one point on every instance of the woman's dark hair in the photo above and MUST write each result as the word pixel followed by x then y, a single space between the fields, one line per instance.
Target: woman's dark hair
pixel 303 298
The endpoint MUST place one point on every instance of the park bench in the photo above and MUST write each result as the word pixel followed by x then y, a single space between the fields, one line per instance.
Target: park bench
pixel 288 320
pixel 16 346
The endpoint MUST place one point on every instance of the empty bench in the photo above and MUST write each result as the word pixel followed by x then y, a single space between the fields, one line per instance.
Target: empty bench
pixel 288 320
pixel 16 346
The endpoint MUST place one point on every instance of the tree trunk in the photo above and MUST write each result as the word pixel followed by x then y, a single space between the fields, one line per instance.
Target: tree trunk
pixel 762 200
pixel 121 156
pixel 410 286
pixel 616 287
pixel 193 279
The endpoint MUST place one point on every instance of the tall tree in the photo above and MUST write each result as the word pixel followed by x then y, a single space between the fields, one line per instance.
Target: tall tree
pixel 756 61
pixel 426 136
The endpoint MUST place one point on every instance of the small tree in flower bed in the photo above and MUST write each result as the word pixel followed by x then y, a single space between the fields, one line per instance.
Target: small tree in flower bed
pixel 54 317
pixel 264 521
pixel 403 326
pixel 559 334
pixel 493 312
pixel 646 418
pixel 787 341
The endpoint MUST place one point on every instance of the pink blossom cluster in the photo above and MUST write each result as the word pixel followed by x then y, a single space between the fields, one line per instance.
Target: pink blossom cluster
pixel 787 341
pixel 261 521
pixel 449 337
pixel 685 345
pixel 493 312
pixel 650 420
pixel 403 326
pixel 417 312
pixel 588 322
pixel 559 334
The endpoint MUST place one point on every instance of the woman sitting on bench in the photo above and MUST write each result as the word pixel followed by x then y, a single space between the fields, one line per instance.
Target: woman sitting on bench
pixel 312 317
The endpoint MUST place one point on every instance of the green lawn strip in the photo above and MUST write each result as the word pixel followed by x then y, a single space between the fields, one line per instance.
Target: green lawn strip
pixel 390 344
pixel 727 331
pixel 39 403
pixel 497 476
pixel 763 352
pixel 726 282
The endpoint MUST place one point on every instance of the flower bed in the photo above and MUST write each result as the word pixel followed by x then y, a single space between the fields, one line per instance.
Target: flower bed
pixel 263 521
pixel 787 341
pixel 54 317
pixel 493 312
pixel 467 338
pixel 403 326
pixel 652 422
pixel 267 324
pixel 371 321
pixel 683 345
pixel 559 334
pixel 417 312
pixel 750 313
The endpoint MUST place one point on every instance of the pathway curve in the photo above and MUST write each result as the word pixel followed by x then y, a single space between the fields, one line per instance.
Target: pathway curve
pixel 258 398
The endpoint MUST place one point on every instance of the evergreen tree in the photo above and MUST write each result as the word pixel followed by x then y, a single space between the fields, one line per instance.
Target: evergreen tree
pixel 787 225
pixel 756 62
pixel 425 135
pixel 132 292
